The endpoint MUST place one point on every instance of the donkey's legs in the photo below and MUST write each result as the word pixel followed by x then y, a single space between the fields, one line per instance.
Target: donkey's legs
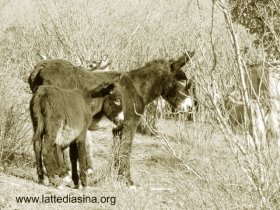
pixel 74 159
pixel 37 145
pixel 66 157
pixel 122 158
pixel 82 157
pixel 88 153
pixel 63 171
pixel 50 159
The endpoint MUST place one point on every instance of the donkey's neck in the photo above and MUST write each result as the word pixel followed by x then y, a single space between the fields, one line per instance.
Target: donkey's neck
pixel 148 83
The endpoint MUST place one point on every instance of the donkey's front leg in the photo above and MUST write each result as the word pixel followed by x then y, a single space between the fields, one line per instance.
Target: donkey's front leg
pixel 82 157
pixel 123 149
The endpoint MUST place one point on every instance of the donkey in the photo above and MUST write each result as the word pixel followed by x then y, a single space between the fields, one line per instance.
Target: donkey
pixel 138 88
pixel 61 117
pixel 236 109
pixel 63 74
pixel 255 114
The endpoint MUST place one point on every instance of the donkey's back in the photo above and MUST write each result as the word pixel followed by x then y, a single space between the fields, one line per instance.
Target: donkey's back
pixel 63 74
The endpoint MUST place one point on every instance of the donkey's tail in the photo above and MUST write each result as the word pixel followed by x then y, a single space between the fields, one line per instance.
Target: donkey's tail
pixel 38 127
pixel 34 79
pixel 36 115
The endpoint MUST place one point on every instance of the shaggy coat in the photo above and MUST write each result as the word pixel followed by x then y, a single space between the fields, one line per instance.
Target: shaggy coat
pixel 63 74
pixel 138 88
pixel 61 118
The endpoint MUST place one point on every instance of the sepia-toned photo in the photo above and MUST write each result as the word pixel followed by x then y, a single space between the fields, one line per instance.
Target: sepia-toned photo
pixel 139 104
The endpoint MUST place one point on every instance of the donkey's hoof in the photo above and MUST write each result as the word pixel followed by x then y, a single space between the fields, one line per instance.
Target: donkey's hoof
pixel 132 187
pixel 54 181
pixel 66 179
pixel 129 182
pixel 61 186
pixel 89 171
pixel 43 181
pixel 135 187
pixel 65 182
pixel 77 186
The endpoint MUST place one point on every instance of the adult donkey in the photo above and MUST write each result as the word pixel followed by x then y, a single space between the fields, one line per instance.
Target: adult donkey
pixel 253 121
pixel 61 117
pixel 63 74
pixel 139 87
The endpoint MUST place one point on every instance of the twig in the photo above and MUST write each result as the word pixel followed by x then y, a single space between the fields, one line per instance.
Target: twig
pixel 162 136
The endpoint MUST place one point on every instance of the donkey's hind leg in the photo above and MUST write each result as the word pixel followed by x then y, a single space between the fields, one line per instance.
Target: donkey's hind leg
pixel 66 157
pixel 50 159
pixel 62 166
pixel 67 161
pixel 63 170
pixel 37 145
pixel 88 153
pixel 74 159
pixel 82 157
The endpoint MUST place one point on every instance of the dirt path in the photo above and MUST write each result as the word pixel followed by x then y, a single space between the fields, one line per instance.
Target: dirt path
pixel 14 188
pixel 153 168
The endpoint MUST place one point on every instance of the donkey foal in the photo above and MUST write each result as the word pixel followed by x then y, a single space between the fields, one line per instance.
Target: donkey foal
pixel 61 117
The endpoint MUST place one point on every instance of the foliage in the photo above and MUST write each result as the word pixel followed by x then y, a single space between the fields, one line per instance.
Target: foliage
pixel 262 18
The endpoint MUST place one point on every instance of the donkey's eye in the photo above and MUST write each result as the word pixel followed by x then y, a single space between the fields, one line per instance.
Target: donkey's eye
pixel 182 82
pixel 117 102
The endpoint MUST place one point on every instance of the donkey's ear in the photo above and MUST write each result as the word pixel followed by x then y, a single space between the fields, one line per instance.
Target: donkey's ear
pixel 102 90
pixel 181 61
pixel 189 84
pixel 180 75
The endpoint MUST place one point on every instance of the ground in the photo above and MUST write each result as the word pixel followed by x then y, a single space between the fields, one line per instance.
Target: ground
pixel 178 170
pixel 148 170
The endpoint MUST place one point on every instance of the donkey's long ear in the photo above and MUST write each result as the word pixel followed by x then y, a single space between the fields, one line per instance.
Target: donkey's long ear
pixel 189 84
pixel 181 61
pixel 180 75
pixel 102 90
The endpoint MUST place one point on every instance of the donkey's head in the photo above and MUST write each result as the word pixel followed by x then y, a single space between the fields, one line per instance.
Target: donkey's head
pixel 177 91
pixel 112 106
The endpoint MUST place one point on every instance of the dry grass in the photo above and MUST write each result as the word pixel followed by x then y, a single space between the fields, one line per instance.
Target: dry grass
pixel 165 180
pixel 191 166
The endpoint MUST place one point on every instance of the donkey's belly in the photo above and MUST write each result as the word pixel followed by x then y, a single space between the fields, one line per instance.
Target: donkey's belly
pixel 66 134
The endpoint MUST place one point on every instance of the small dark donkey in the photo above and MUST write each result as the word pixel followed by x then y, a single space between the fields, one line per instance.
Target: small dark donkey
pixel 140 87
pixel 61 119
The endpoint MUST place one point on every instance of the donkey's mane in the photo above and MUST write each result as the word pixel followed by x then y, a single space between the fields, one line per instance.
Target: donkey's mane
pixel 155 62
